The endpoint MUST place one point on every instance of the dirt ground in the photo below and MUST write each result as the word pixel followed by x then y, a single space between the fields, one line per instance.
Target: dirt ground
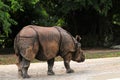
pixel 91 69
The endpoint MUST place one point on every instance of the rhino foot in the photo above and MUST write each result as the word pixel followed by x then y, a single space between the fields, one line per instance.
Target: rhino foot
pixel 25 76
pixel 19 73
pixel 70 71
pixel 50 73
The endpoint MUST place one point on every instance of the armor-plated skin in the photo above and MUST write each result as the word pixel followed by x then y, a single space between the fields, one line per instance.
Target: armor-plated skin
pixel 45 43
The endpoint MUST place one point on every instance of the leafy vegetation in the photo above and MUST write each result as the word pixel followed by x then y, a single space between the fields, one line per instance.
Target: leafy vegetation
pixel 92 19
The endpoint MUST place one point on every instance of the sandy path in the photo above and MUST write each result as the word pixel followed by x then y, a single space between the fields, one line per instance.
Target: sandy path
pixel 91 69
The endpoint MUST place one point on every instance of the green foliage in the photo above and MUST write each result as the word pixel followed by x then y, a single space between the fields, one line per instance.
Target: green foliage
pixel 34 1
pixel 2 40
pixel 55 12
pixel 116 12
pixel 116 19
pixel 46 12
pixel 102 6
pixel 15 6
pixel 60 22
pixel 5 18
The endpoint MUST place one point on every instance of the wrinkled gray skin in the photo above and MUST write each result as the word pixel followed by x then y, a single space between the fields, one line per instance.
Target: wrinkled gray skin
pixel 45 43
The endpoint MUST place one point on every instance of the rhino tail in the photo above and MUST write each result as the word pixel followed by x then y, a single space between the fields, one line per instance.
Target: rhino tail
pixel 16 50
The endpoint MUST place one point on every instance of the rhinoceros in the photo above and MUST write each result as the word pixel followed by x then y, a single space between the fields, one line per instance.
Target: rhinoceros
pixel 45 43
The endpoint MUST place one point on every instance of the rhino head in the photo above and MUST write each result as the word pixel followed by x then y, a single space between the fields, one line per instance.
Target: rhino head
pixel 78 55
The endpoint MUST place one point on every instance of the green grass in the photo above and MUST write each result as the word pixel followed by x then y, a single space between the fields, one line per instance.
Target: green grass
pixel 102 55
pixel 7 59
pixel 11 58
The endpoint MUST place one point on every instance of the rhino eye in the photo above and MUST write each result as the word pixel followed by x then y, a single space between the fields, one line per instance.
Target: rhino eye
pixel 79 45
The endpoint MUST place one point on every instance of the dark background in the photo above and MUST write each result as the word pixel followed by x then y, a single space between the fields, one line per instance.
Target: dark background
pixel 96 21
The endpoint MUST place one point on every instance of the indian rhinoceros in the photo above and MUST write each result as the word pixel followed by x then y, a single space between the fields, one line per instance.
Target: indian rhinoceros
pixel 45 43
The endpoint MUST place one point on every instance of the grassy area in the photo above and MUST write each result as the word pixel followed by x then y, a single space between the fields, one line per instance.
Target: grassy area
pixel 7 59
pixel 11 58
pixel 102 55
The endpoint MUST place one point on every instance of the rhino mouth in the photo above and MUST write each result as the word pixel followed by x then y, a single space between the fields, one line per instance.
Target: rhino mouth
pixel 83 59
pixel 80 60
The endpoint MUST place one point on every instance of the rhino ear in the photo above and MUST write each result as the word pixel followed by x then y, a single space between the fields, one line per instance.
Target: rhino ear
pixel 78 38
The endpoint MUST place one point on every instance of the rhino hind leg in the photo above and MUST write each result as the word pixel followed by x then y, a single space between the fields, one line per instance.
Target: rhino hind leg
pixel 23 66
pixel 50 67
pixel 67 59
pixel 19 59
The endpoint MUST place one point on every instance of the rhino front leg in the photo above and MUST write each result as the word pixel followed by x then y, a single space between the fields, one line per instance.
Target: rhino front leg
pixel 50 67
pixel 67 59
pixel 24 68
